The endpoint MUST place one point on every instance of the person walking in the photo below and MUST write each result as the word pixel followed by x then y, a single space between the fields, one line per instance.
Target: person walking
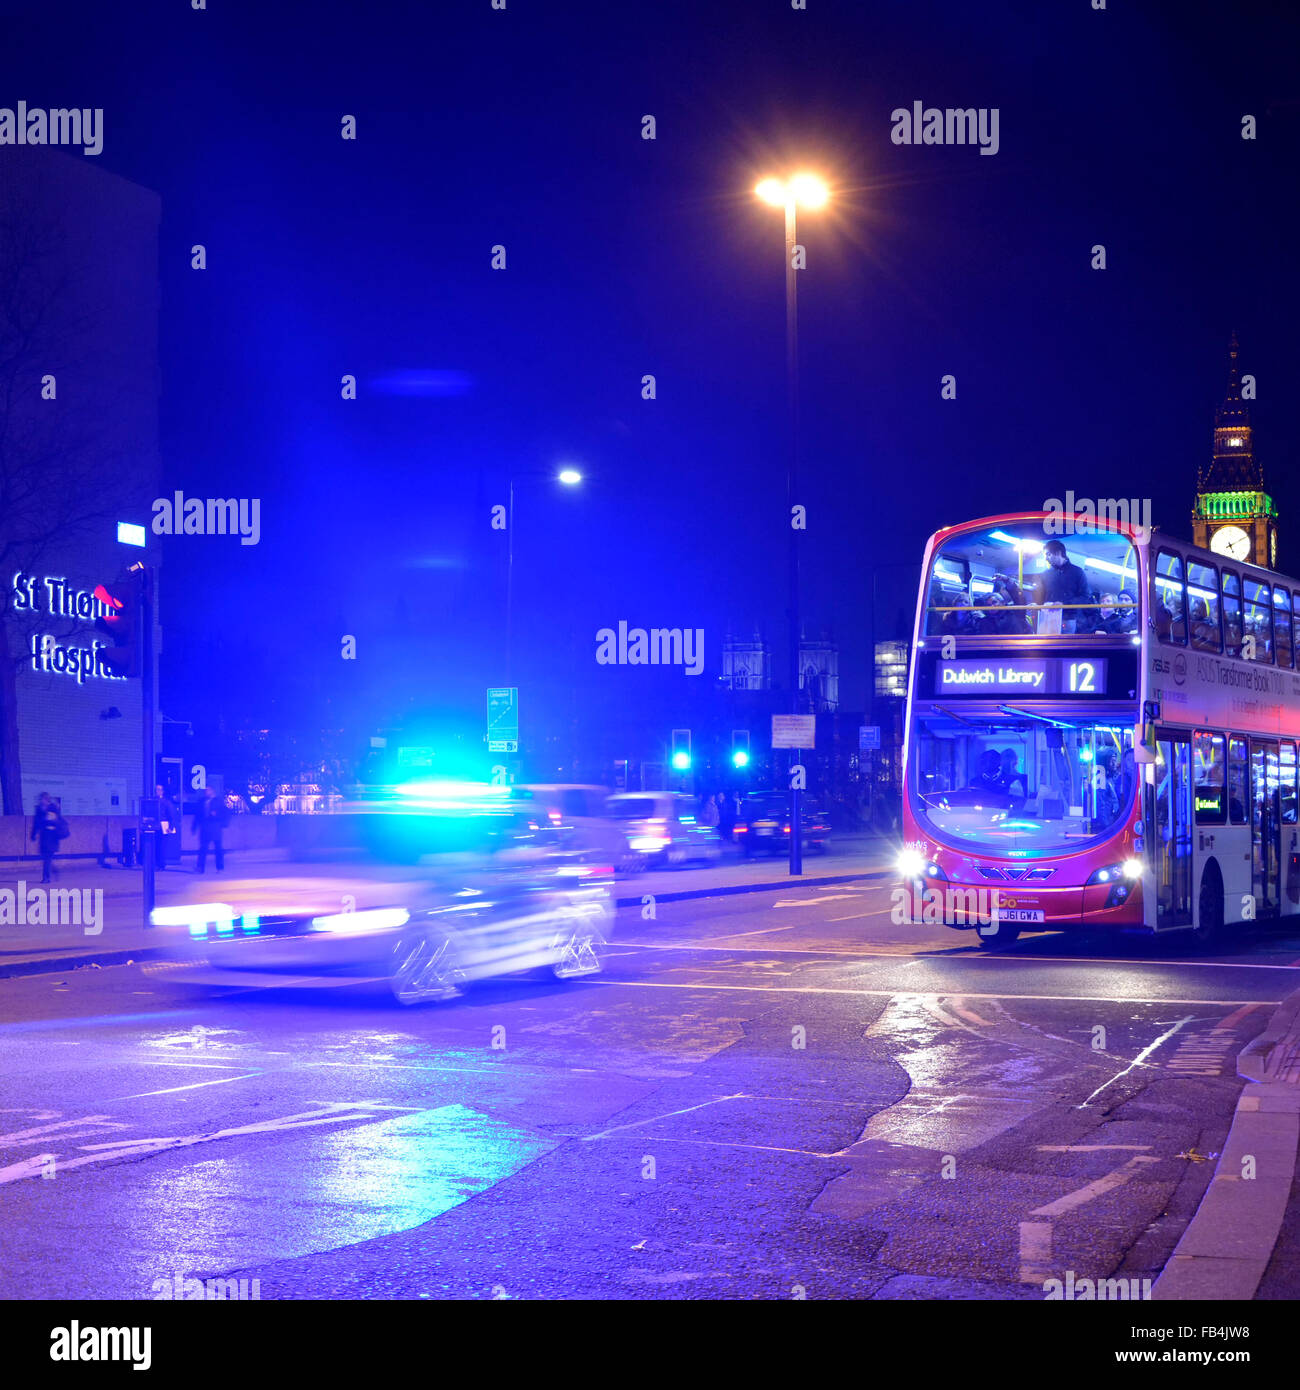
pixel 48 828
pixel 209 822
pixel 709 812
pixel 169 828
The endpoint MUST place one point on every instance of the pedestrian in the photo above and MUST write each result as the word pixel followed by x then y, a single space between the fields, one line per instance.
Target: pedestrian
pixel 169 828
pixel 709 812
pixel 209 821
pixel 726 816
pixel 48 828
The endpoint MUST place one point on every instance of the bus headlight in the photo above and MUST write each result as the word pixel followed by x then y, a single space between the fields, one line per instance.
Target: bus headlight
pixel 911 863
pixel 1133 869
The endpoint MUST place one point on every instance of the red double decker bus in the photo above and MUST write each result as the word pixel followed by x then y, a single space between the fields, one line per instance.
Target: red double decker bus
pixel 1101 732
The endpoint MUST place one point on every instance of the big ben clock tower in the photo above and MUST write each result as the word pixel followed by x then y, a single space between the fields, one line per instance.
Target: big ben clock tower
pixel 1234 516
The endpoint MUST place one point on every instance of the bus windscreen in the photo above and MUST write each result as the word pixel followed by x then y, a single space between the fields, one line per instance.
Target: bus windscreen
pixel 1004 783
pixel 1021 579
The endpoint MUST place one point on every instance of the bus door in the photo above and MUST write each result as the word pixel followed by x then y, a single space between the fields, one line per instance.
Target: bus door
pixel 1265 828
pixel 1169 814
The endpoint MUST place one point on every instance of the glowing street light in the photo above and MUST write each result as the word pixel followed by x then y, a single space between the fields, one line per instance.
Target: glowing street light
pixel 803 190
pixel 569 476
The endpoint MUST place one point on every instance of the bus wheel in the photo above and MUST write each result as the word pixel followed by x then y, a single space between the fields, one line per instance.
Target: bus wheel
pixel 1209 909
pixel 1005 935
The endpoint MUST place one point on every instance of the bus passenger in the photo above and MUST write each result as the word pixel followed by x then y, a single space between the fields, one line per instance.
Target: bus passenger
pixel 1062 583
pixel 1107 618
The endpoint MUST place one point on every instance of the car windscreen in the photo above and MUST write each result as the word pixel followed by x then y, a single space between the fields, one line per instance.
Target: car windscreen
pixel 633 808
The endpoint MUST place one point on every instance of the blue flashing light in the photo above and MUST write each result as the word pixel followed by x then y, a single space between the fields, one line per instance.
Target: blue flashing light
pixel 740 758
pixel 681 760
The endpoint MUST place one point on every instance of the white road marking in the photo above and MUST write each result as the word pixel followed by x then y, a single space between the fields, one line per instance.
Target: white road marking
pixel 1139 1059
pixel 944 953
pixel 193 1086
pixel 890 993
pixel 1036 1236
pixel 812 902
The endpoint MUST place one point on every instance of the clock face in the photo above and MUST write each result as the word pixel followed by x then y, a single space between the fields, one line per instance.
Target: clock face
pixel 1231 541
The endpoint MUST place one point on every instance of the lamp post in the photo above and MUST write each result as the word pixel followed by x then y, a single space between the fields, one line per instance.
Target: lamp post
pixel 806 191
pixel 570 477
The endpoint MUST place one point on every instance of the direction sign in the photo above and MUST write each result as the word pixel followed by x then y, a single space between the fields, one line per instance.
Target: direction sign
pixel 868 737
pixel 794 730
pixel 503 719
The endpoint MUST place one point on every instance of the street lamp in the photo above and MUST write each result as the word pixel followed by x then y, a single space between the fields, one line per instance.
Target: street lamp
pixel 803 190
pixel 567 475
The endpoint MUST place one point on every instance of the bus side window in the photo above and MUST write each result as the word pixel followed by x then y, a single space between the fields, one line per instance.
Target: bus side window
pixel 1288 779
pixel 1169 608
pixel 1282 625
pixel 1231 613
pixel 1203 601
pixel 1257 621
pixel 1238 782
pixel 1210 765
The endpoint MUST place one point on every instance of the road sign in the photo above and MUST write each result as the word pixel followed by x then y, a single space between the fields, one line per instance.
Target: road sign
pixel 868 737
pixel 794 730
pixel 503 719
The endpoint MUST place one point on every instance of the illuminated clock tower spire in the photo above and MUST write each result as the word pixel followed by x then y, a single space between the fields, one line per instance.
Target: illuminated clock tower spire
pixel 1233 514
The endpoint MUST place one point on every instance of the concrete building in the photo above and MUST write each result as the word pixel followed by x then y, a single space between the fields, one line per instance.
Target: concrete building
pixel 79 440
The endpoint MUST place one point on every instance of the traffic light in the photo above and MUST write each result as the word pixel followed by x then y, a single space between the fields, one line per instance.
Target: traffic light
pixel 740 748
pixel 122 624
pixel 682 749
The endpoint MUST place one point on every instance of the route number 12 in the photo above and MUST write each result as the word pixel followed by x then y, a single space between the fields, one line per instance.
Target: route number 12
pixel 1083 677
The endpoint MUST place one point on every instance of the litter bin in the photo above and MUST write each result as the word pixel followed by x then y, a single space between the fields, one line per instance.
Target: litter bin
pixel 130 847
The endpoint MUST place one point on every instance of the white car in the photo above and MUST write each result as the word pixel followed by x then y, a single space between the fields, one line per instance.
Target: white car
pixel 661 828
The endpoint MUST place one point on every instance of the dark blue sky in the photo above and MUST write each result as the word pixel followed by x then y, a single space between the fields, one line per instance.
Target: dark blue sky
pixel 627 256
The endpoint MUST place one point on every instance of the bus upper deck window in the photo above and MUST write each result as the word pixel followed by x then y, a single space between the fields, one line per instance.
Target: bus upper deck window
pixel 1203 606
pixel 1169 603
pixel 1257 621
pixel 1231 614
pixel 1282 625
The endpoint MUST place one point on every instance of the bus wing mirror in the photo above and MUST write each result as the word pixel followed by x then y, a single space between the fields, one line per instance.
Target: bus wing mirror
pixel 1144 743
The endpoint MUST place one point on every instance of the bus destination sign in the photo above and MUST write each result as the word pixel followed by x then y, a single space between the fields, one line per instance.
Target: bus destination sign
pixel 1021 676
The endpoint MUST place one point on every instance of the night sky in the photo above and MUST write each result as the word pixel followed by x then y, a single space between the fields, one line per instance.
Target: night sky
pixel 628 256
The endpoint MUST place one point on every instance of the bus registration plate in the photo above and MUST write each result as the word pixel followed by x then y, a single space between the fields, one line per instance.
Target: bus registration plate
pixel 1018 914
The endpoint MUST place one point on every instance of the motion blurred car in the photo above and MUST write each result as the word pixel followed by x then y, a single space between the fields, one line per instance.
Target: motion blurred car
pixel 526 905
pixel 763 826
pixel 660 829
pixel 578 811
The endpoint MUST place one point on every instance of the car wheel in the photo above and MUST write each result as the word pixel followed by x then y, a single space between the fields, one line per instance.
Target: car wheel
pixel 580 955
pixel 424 969
pixel 1005 935
pixel 1208 931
